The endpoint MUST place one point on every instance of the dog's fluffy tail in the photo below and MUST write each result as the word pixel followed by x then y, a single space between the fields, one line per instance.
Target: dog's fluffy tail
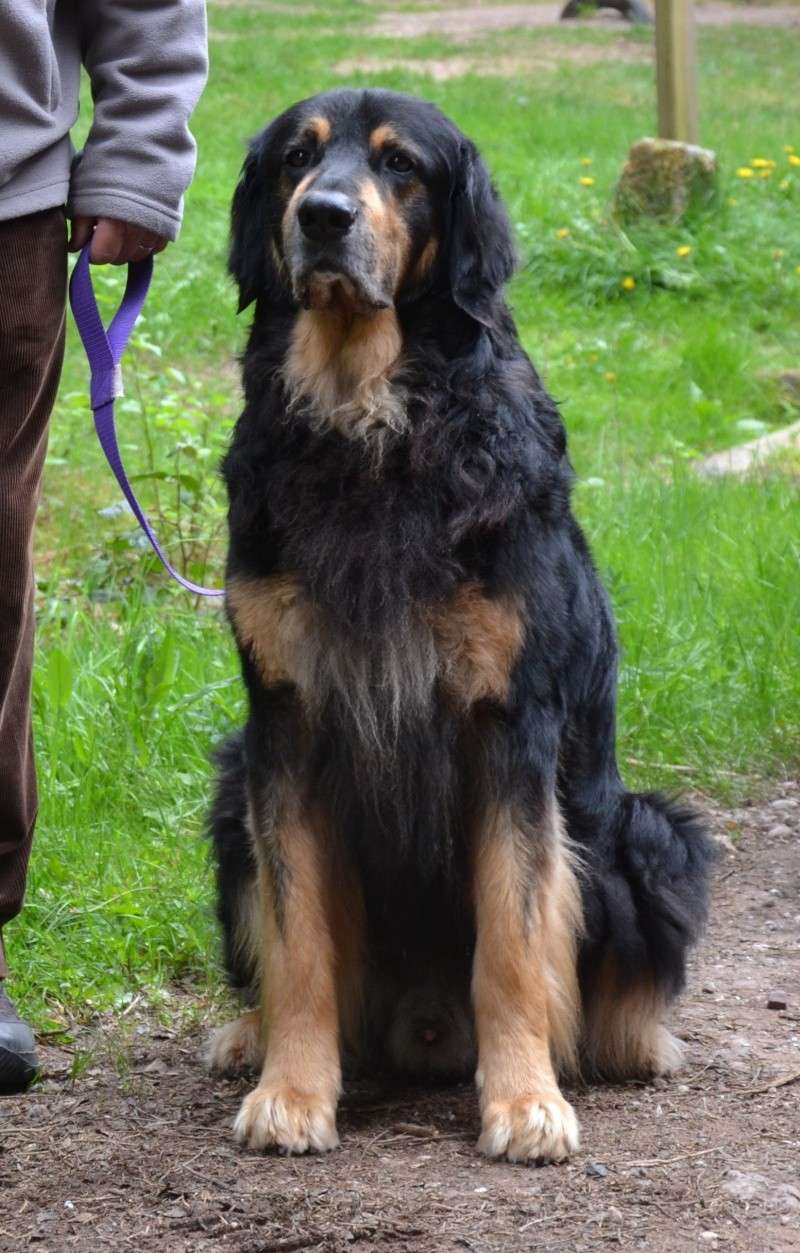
pixel 645 903
pixel 234 863
pixel 646 898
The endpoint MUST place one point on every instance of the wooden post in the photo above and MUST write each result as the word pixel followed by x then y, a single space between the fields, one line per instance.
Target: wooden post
pixel 676 67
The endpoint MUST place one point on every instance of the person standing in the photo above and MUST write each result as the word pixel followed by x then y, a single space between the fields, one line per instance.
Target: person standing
pixel 147 65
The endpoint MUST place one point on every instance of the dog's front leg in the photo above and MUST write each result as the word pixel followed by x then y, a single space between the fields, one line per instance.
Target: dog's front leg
pixel 526 914
pixel 294 1106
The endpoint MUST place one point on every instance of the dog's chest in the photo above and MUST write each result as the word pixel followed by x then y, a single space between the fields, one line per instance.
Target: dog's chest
pixel 465 647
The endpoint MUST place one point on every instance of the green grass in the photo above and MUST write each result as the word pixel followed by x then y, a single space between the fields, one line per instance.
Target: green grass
pixel 135 681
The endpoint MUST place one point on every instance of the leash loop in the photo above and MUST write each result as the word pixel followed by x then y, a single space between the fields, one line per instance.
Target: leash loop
pixel 104 349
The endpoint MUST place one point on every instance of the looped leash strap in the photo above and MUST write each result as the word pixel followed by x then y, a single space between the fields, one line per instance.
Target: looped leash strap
pixel 104 349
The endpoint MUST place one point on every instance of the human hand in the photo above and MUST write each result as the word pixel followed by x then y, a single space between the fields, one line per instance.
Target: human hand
pixel 114 242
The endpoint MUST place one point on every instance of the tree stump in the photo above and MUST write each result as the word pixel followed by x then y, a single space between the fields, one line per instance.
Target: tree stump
pixel 632 10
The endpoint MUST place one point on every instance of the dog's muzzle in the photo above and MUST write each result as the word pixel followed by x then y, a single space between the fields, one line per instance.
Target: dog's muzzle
pixel 333 254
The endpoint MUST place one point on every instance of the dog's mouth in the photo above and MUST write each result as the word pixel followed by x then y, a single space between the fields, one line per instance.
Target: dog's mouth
pixel 336 289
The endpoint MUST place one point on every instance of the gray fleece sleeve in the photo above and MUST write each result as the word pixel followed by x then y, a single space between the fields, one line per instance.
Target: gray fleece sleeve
pixel 147 63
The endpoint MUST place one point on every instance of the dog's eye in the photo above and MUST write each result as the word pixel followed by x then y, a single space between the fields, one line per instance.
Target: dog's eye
pixel 297 158
pixel 400 163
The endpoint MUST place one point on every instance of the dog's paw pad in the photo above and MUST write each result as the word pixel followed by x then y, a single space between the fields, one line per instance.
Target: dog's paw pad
pixel 282 1118
pixel 530 1129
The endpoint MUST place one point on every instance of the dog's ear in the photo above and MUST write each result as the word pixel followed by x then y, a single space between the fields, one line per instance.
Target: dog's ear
pixel 247 259
pixel 481 247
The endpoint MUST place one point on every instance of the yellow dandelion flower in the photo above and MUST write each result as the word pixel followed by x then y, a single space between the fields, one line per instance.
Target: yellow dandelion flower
pixel 586 181
pixel 744 171
pixel 587 160
pixel 788 147
pixel 562 233
pixel 683 251
pixel 629 282
pixel 762 163
pixel 784 184
pixel 765 173
pixel 610 376
pixel 793 160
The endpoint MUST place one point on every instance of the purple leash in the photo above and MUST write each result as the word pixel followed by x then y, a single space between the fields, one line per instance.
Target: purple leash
pixel 104 350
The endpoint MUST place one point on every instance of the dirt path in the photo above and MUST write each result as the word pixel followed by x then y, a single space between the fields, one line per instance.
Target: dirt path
pixel 137 1152
pixel 463 23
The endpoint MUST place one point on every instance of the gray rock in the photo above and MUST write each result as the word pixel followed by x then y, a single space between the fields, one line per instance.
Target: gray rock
pixel 595 1170
pixel 749 1187
pixel 745 1186
pixel 742 460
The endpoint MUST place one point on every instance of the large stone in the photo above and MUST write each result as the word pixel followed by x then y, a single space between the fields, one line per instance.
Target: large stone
pixel 665 178
pixel 747 458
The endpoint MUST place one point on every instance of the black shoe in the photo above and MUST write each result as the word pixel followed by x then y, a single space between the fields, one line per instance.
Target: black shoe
pixel 18 1061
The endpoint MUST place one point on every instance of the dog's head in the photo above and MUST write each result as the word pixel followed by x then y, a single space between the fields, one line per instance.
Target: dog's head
pixel 368 200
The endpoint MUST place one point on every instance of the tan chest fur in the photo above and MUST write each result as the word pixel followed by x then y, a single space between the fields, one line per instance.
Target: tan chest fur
pixel 343 367
pixel 470 644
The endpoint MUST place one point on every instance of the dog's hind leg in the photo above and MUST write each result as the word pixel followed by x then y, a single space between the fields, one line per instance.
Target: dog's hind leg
pixel 625 1033
pixel 645 890
pixel 293 1108
pixel 646 898
pixel 524 985
pixel 239 1044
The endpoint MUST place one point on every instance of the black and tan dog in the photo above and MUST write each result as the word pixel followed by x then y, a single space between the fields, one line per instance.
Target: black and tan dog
pixel 426 857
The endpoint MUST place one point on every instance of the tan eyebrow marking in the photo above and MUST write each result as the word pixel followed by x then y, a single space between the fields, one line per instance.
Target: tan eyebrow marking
pixel 386 136
pixel 382 136
pixel 320 128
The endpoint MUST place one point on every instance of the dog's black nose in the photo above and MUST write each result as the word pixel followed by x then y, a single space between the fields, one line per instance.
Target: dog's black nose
pixel 326 215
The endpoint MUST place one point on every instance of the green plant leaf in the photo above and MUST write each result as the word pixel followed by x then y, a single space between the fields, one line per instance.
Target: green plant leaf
pixel 60 678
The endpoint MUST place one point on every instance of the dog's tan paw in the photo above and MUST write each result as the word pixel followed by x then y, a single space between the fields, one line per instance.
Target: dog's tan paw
pixel 667 1053
pixel 237 1046
pixel 281 1118
pixel 530 1129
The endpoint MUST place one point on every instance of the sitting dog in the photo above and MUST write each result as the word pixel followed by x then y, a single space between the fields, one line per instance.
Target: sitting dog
pixel 427 861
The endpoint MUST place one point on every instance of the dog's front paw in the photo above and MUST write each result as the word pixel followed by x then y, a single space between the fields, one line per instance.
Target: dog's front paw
pixel 535 1128
pixel 237 1046
pixel 279 1117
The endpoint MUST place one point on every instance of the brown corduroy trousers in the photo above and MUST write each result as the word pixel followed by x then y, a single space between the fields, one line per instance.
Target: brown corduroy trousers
pixel 33 271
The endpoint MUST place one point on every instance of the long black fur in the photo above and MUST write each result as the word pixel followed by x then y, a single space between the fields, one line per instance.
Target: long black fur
pixel 476 489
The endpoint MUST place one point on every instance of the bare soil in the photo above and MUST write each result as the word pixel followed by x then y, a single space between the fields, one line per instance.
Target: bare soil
pixel 136 1151
pixel 463 23
pixel 547 55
